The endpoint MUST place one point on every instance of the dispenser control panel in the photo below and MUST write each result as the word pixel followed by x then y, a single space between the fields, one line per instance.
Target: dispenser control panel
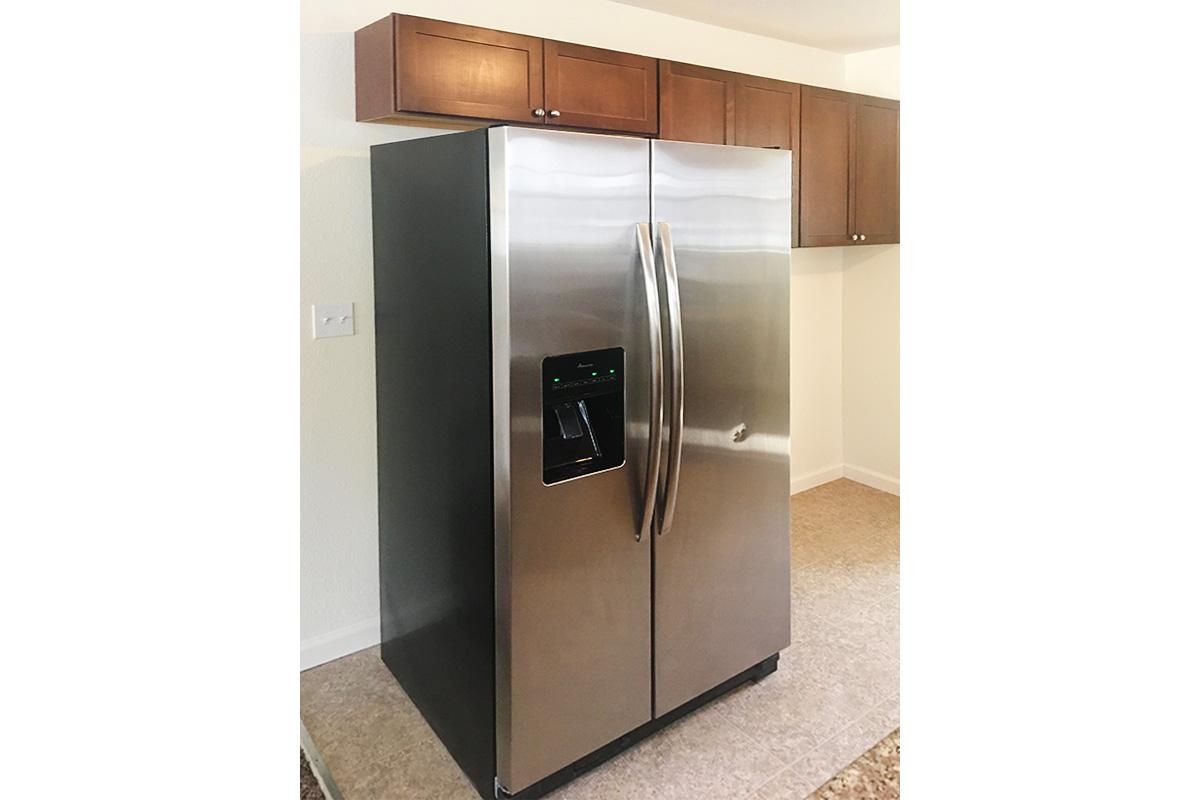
pixel 583 413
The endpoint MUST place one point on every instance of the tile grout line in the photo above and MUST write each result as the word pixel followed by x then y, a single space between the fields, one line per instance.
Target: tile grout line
pixel 779 763
pixel 839 626
pixel 754 744
pixel 843 629
pixel 870 607
pixel 824 742
pixel 823 620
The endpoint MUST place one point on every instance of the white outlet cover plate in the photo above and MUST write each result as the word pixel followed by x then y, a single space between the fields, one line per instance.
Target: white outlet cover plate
pixel 333 319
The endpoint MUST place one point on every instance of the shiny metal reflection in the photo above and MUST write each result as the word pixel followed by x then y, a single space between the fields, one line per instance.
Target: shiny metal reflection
pixel 572 582
pixel 722 599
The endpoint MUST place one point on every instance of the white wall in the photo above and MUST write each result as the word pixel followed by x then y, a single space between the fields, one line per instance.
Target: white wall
pixel 874 72
pixel 339 592
pixel 871 365
pixel 816 366
pixel 339 583
pixel 871 321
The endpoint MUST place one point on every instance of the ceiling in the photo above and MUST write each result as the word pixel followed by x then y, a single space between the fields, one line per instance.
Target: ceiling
pixel 844 26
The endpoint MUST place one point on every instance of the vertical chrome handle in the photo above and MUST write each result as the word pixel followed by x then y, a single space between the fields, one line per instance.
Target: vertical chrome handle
pixel 675 449
pixel 654 459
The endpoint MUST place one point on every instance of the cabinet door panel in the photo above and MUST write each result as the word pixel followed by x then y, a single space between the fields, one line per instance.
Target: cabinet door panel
pixel 826 166
pixel 877 171
pixel 594 88
pixel 444 68
pixel 767 114
pixel 697 104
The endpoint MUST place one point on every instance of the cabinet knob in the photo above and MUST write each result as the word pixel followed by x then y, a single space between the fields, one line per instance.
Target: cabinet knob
pixel 555 113
pixel 862 237
pixel 854 237
pixel 539 112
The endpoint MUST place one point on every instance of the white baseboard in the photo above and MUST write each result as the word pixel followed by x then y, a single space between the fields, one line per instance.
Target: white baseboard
pixel 806 482
pixel 869 477
pixel 338 643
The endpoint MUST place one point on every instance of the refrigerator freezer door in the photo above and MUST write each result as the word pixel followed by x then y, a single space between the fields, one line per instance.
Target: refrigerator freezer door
pixel 573 644
pixel 722 587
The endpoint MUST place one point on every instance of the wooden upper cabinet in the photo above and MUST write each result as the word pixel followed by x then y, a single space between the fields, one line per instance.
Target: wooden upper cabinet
pixel 877 171
pixel 444 68
pixel 767 114
pixel 696 103
pixel 826 166
pixel 587 87
pixel 412 65
pixel 849 169
pixel 406 66
pixel 845 147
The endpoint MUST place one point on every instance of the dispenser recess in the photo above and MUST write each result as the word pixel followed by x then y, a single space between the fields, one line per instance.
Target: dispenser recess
pixel 583 413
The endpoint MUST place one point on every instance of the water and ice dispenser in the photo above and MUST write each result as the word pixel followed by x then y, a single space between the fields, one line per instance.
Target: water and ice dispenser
pixel 583 413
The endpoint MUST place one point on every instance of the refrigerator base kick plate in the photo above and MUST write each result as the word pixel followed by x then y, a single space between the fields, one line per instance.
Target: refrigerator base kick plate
pixel 594 759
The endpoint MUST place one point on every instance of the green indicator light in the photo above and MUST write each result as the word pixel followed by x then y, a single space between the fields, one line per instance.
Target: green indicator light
pixel 556 380
pixel 594 374
pixel 611 371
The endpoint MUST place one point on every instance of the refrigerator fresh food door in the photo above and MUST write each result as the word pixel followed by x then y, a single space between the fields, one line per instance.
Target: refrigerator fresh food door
pixel 722 222
pixel 573 576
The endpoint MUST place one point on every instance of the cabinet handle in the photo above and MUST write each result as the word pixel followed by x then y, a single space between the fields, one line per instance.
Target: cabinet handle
pixel 854 237
pixel 862 237
pixel 554 113
pixel 539 112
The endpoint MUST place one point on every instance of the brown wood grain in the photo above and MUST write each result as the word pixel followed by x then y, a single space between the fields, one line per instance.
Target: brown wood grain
pixel 591 87
pixel 446 68
pixel 374 70
pixel 767 114
pixel 696 104
pixel 845 147
pixel 877 171
pixel 826 166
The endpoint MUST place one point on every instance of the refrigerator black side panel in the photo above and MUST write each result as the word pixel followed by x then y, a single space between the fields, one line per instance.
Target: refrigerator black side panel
pixel 434 416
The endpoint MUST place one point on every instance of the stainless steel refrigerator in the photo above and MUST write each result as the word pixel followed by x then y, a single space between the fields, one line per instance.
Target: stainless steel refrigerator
pixel 583 437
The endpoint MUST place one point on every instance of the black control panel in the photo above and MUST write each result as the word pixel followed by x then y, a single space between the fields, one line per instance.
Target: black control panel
pixel 583 413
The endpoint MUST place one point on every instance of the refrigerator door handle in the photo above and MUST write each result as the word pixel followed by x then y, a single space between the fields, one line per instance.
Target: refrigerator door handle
pixel 675 318
pixel 654 458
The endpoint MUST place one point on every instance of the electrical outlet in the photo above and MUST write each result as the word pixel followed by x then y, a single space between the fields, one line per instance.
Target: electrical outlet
pixel 333 319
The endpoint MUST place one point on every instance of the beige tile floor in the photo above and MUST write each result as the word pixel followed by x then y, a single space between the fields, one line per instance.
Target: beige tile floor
pixel 875 775
pixel 834 696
